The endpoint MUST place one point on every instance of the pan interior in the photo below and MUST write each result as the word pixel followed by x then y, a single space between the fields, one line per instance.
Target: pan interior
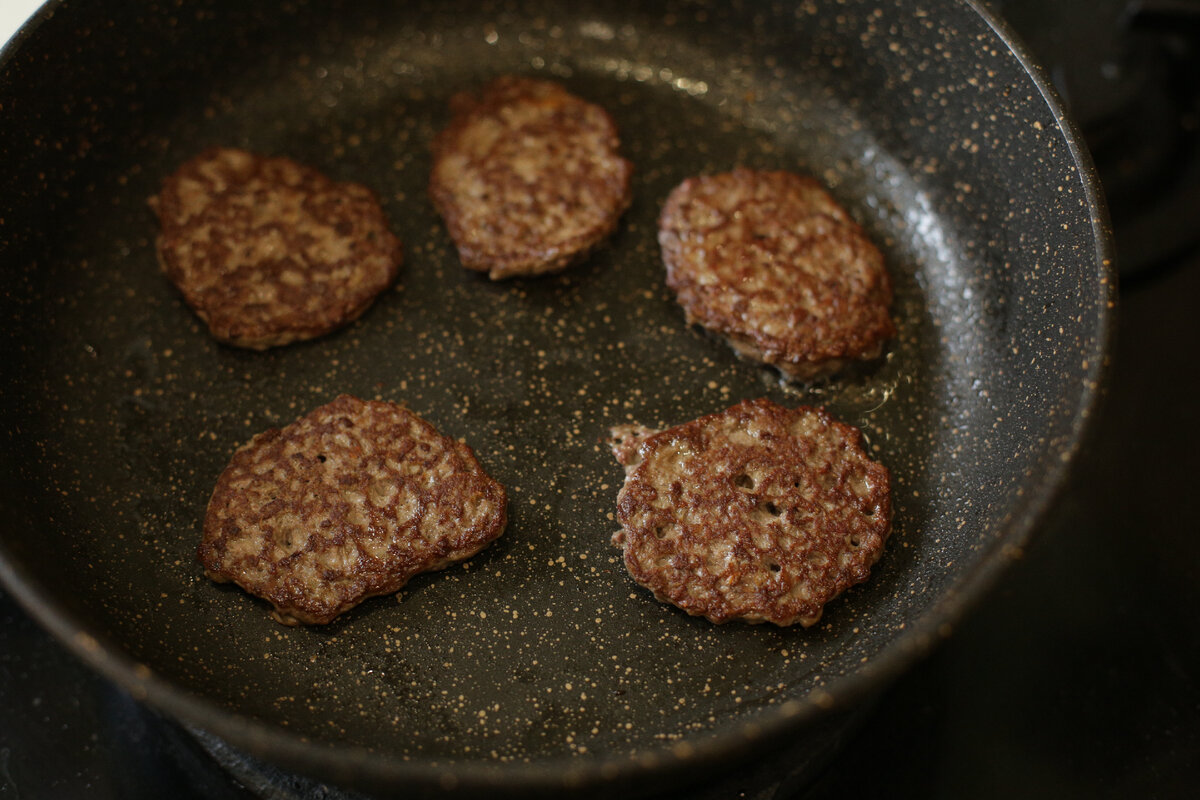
pixel 123 412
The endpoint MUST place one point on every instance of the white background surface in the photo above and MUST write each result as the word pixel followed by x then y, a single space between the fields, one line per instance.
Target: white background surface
pixel 12 14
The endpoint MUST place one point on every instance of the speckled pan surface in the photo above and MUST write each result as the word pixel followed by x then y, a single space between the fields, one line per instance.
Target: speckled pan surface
pixel 539 662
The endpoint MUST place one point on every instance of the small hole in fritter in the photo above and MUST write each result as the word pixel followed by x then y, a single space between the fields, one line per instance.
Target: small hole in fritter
pixel 774 567
pixel 855 541
pixel 321 458
pixel 743 481
pixel 870 512
pixel 660 532
pixel 772 509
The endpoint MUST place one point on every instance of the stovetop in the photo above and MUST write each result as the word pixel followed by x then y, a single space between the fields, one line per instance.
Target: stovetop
pixel 1078 676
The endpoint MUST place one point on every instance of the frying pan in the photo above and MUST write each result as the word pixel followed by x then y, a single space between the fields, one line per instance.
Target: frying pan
pixel 538 666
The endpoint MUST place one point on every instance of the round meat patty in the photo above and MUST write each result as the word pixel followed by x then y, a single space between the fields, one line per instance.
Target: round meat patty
pixel 267 251
pixel 527 177
pixel 348 502
pixel 758 513
pixel 771 263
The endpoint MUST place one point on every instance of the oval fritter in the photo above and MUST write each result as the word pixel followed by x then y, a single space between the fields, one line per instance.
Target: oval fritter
pixel 348 502
pixel 758 513
pixel 770 262
pixel 527 177
pixel 267 251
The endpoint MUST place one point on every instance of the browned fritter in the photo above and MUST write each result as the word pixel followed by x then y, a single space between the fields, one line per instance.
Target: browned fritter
pixel 771 263
pixel 267 251
pixel 758 513
pixel 527 177
pixel 348 502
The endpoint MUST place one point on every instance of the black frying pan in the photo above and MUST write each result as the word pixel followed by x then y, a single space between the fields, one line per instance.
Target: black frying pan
pixel 538 665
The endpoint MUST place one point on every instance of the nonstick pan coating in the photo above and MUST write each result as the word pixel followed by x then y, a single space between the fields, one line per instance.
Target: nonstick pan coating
pixel 539 663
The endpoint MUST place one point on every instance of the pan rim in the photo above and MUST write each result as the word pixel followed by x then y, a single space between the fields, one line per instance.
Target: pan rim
pixel 727 743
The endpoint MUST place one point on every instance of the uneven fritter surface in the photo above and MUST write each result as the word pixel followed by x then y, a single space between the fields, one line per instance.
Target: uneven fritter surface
pixel 348 502
pixel 267 251
pixel 758 513
pixel 770 262
pixel 527 177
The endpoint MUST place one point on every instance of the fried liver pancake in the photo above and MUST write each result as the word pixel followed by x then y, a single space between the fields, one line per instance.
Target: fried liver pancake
pixel 772 264
pixel 268 251
pixel 527 177
pixel 758 513
pixel 348 502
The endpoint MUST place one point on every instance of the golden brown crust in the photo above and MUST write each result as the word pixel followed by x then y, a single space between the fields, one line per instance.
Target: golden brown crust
pixel 770 262
pixel 625 441
pixel 758 513
pixel 527 177
pixel 267 251
pixel 350 501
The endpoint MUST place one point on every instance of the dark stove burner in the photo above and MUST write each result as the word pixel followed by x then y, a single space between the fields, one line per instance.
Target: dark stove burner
pixel 1130 72
pixel 264 780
